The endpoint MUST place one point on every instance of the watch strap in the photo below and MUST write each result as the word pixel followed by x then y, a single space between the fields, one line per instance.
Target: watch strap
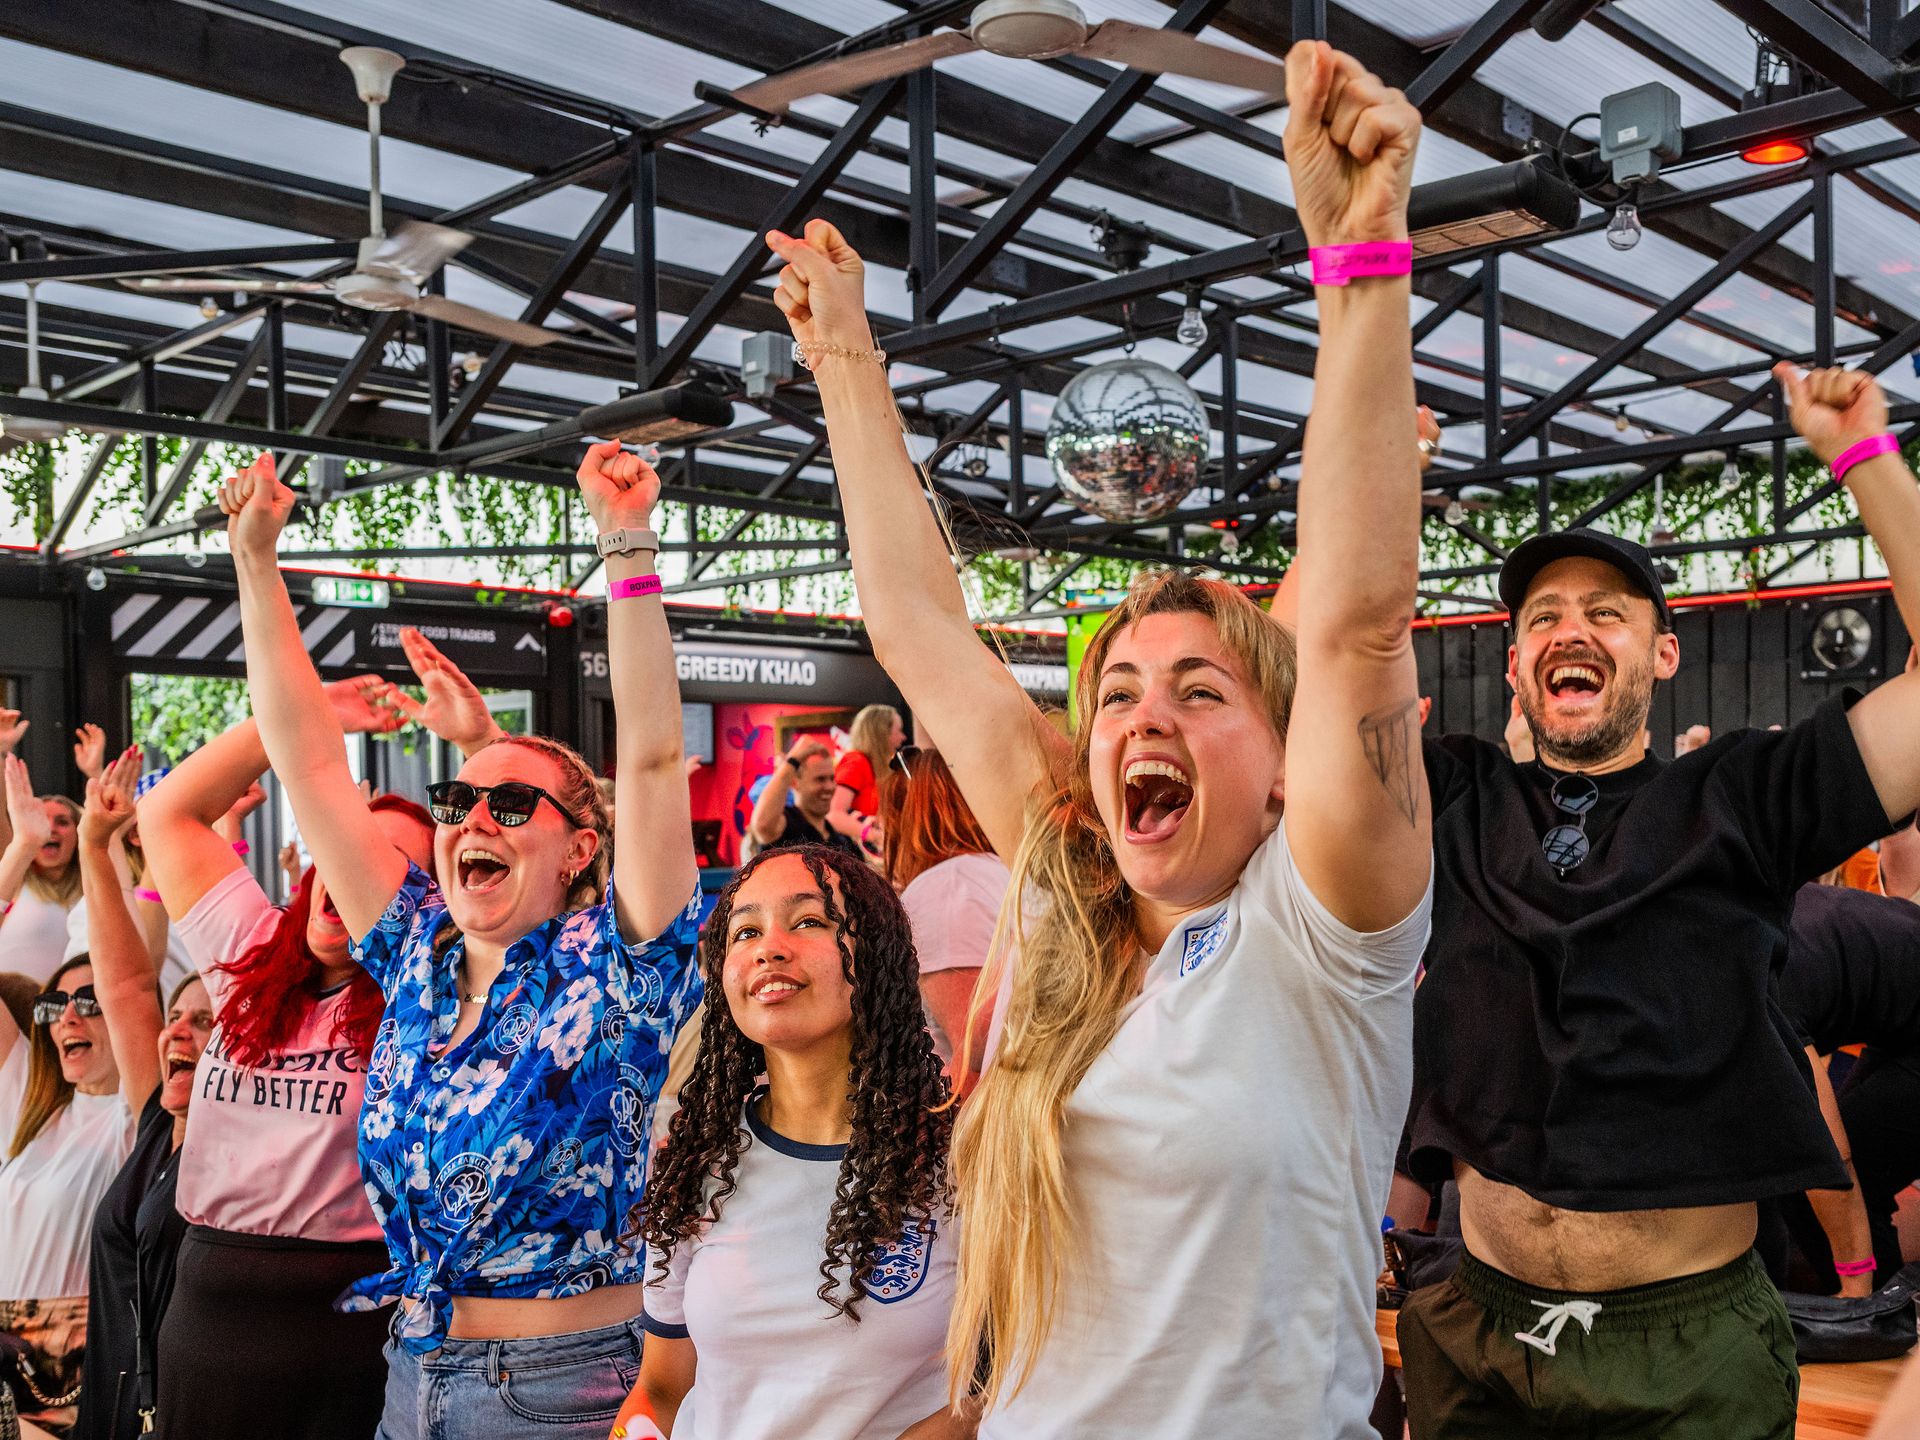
pixel 626 541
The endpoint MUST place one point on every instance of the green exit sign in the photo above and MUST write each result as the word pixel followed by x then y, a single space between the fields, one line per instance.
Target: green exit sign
pixel 358 594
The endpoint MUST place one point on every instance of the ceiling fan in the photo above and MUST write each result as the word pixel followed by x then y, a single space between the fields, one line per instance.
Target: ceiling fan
pixel 26 430
pixel 1024 30
pixel 391 269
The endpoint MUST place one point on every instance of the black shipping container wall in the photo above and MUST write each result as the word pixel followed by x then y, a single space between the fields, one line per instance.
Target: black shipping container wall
pixel 34 680
pixel 1769 662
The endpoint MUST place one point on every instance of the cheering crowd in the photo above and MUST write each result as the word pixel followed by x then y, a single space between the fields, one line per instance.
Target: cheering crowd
pixel 1040 1085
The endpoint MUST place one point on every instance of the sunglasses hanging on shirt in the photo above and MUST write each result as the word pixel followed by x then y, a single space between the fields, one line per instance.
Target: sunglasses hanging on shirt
pixel 50 1005
pixel 1566 845
pixel 903 759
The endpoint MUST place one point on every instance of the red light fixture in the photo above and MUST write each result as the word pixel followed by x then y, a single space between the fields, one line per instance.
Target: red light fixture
pixel 560 616
pixel 1775 152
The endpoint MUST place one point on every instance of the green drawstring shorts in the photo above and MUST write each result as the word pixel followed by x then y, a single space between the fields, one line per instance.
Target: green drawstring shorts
pixel 1703 1357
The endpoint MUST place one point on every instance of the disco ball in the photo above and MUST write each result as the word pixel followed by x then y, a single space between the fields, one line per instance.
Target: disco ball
pixel 1128 439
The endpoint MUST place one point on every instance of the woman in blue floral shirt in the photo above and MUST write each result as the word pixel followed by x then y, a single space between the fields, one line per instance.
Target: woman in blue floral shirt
pixel 512 1081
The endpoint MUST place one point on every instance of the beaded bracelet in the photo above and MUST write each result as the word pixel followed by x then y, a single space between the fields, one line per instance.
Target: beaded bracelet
pixel 806 360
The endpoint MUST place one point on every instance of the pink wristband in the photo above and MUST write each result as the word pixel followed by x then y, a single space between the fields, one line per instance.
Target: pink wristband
pixel 634 587
pixel 151 896
pixel 240 847
pixel 1863 450
pixel 1850 1268
pixel 1339 264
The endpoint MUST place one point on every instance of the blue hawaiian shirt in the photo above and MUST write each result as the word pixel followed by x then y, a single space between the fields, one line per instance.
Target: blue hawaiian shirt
pixel 512 1164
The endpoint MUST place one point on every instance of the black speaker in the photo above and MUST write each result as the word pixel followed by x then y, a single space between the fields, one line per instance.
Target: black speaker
pixel 1842 639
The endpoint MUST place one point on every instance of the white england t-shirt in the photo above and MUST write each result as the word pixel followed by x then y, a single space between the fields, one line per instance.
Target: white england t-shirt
pixel 775 1360
pixel 1228 1157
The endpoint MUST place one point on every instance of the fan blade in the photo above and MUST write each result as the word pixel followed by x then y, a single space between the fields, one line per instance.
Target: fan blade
pixel 851 72
pixel 1173 52
pixel 214 285
pixel 414 250
pixel 485 322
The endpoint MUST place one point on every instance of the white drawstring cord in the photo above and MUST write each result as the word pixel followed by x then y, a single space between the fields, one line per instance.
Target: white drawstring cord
pixel 1555 1318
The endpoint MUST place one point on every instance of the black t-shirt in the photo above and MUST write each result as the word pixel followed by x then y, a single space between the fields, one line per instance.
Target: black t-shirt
pixel 136 1238
pixel 1853 971
pixel 799 831
pixel 1610 1040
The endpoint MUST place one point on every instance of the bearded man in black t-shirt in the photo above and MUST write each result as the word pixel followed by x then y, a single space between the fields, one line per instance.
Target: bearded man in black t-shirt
pixel 1600 1063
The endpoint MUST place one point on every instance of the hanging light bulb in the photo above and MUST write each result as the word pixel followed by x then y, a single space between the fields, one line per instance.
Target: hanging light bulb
pixel 96 578
pixel 1455 512
pixel 1229 543
pixel 1730 472
pixel 1621 422
pixel 1659 532
pixel 1623 230
pixel 209 308
pixel 1192 332
pixel 470 363
pixel 196 558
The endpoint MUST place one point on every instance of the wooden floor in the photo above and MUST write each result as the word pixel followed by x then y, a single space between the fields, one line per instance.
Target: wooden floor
pixel 1837 1402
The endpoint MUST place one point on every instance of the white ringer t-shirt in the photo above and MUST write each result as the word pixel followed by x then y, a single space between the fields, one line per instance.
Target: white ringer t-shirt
pixel 1228 1157
pixel 775 1361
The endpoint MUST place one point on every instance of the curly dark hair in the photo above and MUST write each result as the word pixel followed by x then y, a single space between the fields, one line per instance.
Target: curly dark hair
pixel 895 1168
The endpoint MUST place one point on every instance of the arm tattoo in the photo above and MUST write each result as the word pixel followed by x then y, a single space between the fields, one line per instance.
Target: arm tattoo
pixel 1389 737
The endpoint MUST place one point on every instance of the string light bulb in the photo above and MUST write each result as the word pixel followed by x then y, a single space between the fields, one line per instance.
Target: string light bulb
pixel 1192 331
pixel 209 308
pixel 1455 512
pixel 1623 230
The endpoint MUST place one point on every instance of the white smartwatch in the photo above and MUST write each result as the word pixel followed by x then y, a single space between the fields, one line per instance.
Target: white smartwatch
pixel 627 541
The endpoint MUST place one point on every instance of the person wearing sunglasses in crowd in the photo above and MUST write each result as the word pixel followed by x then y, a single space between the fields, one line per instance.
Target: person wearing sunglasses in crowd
pixel 269 1182
pixel 951 883
pixel 66 1131
pixel 527 1024
pixel 1600 1060
pixel 1230 884
pixel 798 1230
pixel 136 1229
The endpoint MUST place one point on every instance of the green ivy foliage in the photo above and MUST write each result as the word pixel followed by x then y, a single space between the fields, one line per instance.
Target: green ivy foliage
pixel 175 714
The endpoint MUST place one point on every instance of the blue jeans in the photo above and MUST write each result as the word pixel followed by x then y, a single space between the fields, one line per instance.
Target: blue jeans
pixel 555 1387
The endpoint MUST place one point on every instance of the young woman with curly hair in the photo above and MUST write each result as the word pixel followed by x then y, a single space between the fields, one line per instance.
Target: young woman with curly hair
pixel 504 1132
pixel 1170 1179
pixel 802 1269
pixel 269 1176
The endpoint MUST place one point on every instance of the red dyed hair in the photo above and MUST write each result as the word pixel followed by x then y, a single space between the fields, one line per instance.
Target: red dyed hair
pixel 924 819
pixel 270 994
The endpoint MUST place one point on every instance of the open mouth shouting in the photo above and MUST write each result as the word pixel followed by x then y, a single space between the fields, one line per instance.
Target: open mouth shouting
pixel 1573 680
pixel 75 1049
pixel 180 1062
pixel 482 870
pixel 1158 793
pixel 774 988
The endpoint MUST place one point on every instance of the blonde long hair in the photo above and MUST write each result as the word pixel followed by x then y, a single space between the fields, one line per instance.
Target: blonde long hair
pixel 1077 969
pixel 48 1090
pixel 62 889
pixel 872 735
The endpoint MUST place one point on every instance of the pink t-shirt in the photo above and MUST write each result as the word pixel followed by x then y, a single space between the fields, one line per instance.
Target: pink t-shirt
pixel 274 1150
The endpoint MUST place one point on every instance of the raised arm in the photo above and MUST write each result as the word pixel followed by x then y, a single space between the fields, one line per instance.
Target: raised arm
pixel 768 820
pixel 1842 1213
pixel 1358 815
pixel 183 819
pixel 1835 410
pixel 454 709
pixel 303 737
pixel 1001 749
pixel 125 979
pixel 654 867
pixel 28 830
pixel 12 731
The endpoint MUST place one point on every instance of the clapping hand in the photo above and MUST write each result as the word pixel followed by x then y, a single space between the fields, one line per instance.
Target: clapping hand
pixel 1350 141
pixel 1833 409
pixel 454 709
pixel 31 827
pixel 90 750
pixel 619 487
pixel 110 806
pixel 256 505
pixel 12 730
pixel 360 703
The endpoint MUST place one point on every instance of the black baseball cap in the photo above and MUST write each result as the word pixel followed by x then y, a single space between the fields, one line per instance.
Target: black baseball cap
pixel 1533 556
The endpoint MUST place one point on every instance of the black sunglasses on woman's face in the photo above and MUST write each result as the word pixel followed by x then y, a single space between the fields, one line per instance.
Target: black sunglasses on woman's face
pixel 50 1005
pixel 451 801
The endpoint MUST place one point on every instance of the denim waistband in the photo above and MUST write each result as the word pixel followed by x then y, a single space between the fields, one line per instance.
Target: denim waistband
pixel 531 1351
pixel 1638 1306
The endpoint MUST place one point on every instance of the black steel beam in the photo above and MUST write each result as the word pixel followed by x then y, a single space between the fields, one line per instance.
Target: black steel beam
pixel 794 207
pixel 380 330
pixel 107 441
pixel 1715 276
pixel 220 408
pixel 1455 65
pixel 1061 160
pixel 171 262
pixel 1817 38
